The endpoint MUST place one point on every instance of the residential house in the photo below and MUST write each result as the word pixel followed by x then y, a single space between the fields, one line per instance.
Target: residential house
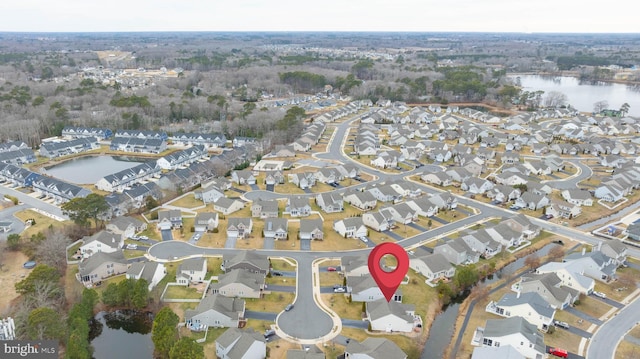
pixel 444 200
pixel 548 286
pixel 482 242
pixel 169 219
pixel 614 249
pixel 376 221
pixel 562 209
pixel 438 178
pixel 192 270
pixel 476 185
pixel 365 289
pixel 423 207
pixel 530 306
pixel 312 352
pixel 505 351
pixel 609 192
pixel 520 223
pixel 433 267
pixel 181 158
pixel 385 193
pixel 362 200
pixel 241 344
pixel 243 177
pixel 125 226
pixel 55 149
pixel 240 283
pixel 152 272
pixel 351 227
pixel 401 213
pixel 264 208
pixel 246 260
pixel 457 251
pixel 228 206
pixel 208 140
pixel 79 132
pixel 505 235
pixel 330 202
pixel 277 228
pixel 578 197
pixel 239 227
pixel 392 316
pixel 206 222
pixel 103 241
pixel 273 178
pixel 355 266
pixel 216 311
pixel 298 206
pixel 594 264
pixel 516 332
pixel 311 229
pixel 100 266
pixel 303 180
pixel 58 190
pixel 373 348
pixel 532 201
pixel 121 180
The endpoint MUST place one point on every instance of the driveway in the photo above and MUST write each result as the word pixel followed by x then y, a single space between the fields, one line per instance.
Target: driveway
pixel 270 317
pixel 394 235
pixel 415 226
pixel 270 187
pixel 608 301
pixel 269 243
pixel 360 324
pixel 230 242
pixel 195 237
pixel 439 220
pixel 281 288
pixel 305 244
pixel 583 315
pixel 166 235
pixel 6 215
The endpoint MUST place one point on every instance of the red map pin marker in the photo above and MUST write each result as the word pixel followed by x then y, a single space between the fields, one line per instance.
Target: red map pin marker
pixel 388 282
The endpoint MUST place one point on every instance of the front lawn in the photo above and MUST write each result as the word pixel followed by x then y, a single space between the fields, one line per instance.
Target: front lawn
pixel 182 292
pixel 339 303
pixel 272 303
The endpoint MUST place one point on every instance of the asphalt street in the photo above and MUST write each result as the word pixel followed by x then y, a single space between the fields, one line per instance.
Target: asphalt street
pixel 612 331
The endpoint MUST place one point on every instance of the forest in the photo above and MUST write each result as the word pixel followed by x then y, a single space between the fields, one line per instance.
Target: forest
pixel 231 82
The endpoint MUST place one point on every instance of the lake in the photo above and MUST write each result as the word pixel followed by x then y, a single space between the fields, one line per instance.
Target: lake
pixel 89 169
pixel 582 95
pixel 122 334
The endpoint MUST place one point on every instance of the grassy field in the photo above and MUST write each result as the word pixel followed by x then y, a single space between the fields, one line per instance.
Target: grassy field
pixel 340 305
pixel 563 339
pixel 272 302
pixel 43 223
pixel 593 307
pixel 188 201
pixel 182 292
pixel 283 265
pixel 277 280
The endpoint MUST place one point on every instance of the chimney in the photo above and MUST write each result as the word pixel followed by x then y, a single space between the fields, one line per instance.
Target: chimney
pixel 599 246
pixel 518 294
pixel 584 250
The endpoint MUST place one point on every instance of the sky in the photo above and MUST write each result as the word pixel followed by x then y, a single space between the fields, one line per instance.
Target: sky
pixel 566 16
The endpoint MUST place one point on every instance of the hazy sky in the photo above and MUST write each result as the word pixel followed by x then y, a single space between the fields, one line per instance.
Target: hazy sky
pixel 320 15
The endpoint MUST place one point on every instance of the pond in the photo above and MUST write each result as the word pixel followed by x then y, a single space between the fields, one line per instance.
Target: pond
pixel 441 333
pixel 122 334
pixel 89 169
pixel 582 95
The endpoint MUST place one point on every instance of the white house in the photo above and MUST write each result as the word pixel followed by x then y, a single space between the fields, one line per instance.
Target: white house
pixel 152 272
pixel 365 289
pixel 241 344
pixel 192 270
pixel 516 331
pixel 392 316
pixel 531 306
pixel 432 266
pixel 216 311
pixel 102 241
pixel 351 227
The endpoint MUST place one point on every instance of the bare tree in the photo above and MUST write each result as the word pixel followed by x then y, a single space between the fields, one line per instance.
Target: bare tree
pixel 53 250
pixel 556 253
pixel 532 261
pixel 600 105
pixel 555 99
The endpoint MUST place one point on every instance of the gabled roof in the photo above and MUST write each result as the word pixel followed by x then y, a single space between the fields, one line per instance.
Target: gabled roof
pixel 251 257
pixel 192 264
pixel 231 307
pixel 376 348
pixel 381 308
pixel 503 327
pixel 241 340
pixel 533 299
pixel 88 265
pixel 252 280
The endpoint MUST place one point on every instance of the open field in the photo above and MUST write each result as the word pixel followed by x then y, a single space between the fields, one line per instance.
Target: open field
pixel 42 222
pixel 11 272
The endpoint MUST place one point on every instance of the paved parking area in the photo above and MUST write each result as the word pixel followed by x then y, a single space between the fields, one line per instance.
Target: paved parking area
pixel 230 242
pixel 269 243
pixel 166 235
pixel 305 244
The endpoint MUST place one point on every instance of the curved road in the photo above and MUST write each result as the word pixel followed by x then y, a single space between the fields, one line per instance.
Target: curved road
pixel 306 320
pixel 612 331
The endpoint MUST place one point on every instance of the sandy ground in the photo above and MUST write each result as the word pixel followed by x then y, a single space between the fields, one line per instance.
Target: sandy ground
pixel 11 273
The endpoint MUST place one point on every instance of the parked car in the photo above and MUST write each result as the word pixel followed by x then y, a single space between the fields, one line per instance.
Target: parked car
pixel 277 274
pixel 288 307
pixel 560 324
pixel 364 239
pixel 269 333
pixel 144 238
pixel 132 246
pixel 600 294
pixel 558 352
pixel 339 290
pixel 332 269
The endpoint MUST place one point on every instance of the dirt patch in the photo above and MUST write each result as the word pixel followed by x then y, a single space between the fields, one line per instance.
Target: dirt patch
pixel 11 273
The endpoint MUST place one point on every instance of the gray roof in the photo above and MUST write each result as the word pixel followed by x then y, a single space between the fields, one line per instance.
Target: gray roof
pixel 257 260
pixel 502 327
pixel 194 264
pixel 224 202
pixel 231 307
pixel 88 265
pixel 110 239
pixel 534 299
pixel 436 262
pixel 376 348
pixel 240 339
pixel 381 308
pixel 145 270
pixel 205 217
pixel 123 222
pixel 501 352
pixel 270 205
pixel 360 283
pixel 308 225
pixel 349 263
pixel 252 280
